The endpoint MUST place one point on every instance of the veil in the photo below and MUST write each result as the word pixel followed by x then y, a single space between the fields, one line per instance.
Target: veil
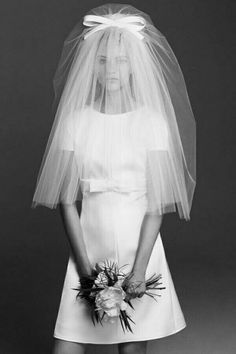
pixel 115 61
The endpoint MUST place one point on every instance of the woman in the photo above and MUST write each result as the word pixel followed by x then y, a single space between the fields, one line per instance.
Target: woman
pixel 123 146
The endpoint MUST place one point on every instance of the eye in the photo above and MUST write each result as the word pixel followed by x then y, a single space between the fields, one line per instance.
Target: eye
pixel 122 60
pixel 102 60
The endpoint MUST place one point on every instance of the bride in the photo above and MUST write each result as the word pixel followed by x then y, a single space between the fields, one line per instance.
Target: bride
pixel 122 147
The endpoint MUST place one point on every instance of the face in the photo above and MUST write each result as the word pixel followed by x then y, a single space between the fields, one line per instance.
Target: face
pixel 112 67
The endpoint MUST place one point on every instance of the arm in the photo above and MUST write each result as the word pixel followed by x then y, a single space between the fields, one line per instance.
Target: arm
pixel 71 219
pixel 149 230
pixel 72 226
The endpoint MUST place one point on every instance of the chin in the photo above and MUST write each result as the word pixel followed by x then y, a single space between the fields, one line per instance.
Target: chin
pixel 113 87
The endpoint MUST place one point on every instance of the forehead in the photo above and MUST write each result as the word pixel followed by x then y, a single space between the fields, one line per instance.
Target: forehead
pixel 111 48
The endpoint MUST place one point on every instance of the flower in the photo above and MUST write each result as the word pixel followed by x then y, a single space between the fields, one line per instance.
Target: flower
pixel 111 301
pixel 106 295
pixel 119 281
pixel 101 280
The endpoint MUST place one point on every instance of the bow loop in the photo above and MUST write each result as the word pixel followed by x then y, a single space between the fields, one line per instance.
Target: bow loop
pixel 107 184
pixel 133 24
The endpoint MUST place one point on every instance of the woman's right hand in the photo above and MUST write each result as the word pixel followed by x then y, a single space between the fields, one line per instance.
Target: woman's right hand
pixel 85 282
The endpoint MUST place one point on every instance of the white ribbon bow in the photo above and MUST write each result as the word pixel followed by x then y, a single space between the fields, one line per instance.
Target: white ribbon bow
pixel 133 24
pixel 105 185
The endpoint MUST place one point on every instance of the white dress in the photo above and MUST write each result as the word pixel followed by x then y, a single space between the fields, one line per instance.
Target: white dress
pixel 112 212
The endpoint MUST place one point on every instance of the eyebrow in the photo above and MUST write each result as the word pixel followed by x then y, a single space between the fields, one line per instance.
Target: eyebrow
pixel 118 56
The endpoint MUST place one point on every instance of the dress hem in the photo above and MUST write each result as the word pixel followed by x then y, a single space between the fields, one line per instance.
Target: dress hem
pixel 130 339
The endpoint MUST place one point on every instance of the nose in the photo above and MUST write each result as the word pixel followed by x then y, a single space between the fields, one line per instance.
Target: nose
pixel 111 66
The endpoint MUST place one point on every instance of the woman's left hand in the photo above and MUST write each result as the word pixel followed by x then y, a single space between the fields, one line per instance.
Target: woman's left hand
pixel 135 284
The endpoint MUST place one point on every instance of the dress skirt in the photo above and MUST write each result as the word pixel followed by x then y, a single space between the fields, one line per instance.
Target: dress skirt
pixel 111 223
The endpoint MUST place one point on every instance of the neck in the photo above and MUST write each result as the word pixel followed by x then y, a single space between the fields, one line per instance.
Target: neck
pixel 115 103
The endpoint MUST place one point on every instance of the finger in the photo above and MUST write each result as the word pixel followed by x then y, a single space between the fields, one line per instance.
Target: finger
pixel 141 294
pixel 131 288
pixel 129 297
pixel 133 294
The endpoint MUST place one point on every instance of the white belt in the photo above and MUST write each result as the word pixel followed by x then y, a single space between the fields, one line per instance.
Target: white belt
pixel 108 184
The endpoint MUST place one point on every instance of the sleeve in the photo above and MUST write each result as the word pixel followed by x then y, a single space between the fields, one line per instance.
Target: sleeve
pixel 164 179
pixel 58 179
pixel 67 135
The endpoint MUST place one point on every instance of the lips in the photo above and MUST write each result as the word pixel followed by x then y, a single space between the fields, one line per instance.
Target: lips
pixel 112 78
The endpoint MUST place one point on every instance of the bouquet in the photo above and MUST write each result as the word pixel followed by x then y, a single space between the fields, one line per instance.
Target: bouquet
pixel 105 293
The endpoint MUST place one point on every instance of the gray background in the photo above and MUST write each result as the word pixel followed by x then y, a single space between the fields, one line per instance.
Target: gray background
pixel 34 249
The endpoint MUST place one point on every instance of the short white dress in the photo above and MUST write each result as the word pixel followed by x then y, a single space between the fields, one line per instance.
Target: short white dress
pixel 113 208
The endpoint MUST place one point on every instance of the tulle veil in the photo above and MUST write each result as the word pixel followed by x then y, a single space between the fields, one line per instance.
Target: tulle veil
pixel 118 46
